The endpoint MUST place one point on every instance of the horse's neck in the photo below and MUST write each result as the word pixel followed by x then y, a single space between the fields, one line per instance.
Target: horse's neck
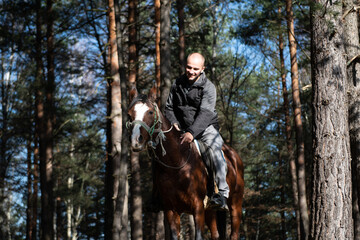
pixel 172 141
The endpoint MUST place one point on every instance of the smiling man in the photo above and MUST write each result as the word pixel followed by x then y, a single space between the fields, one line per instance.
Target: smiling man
pixel 190 107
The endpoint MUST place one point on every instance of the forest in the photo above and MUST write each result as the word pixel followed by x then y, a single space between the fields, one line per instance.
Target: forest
pixel 287 75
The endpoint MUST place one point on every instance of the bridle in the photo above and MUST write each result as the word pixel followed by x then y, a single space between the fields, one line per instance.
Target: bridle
pixel 160 137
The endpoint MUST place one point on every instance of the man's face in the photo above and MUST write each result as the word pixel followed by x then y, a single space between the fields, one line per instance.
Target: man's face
pixel 194 67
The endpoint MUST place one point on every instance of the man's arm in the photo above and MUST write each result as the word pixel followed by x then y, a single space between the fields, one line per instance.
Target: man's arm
pixel 207 111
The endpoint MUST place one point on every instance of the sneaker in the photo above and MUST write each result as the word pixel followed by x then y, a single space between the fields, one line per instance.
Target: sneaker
pixel 218 202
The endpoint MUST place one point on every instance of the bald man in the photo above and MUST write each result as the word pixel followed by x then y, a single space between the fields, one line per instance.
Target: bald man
pixel 190 107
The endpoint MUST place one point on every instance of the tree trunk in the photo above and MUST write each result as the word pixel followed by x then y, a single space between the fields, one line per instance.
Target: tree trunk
pixel 35 184
pixel 29 209
pixel 165 51
pixel 39 110
pixel 292 163
pixel 114 169
pixel 4 156
pixel 181 16
pixel 331 209
pixel 135 188
pixel 46 135
pixel 157 47
pixel 298 123
pixel 353 74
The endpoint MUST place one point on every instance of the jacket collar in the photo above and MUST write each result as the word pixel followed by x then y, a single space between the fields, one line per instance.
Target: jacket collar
pixel 199 83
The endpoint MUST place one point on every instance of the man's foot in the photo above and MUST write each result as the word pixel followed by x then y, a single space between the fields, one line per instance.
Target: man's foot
pixel 218 202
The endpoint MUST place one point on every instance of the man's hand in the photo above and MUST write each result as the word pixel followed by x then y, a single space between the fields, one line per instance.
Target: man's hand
pixel 186 138
pixel 177 127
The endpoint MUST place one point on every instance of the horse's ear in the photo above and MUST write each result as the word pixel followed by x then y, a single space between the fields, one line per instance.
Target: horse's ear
pixel 152 96
pixel 133 93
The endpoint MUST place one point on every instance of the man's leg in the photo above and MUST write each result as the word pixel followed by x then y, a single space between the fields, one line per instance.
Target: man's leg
pixel 213 139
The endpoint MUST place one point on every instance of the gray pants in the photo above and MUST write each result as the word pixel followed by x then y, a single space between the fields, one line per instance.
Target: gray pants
pixel 212 138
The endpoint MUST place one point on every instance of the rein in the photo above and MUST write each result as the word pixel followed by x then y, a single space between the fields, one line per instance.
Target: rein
pixel 151 130
pixel 158 139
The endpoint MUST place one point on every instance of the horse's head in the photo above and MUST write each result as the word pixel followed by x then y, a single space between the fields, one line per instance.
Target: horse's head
pixel 144 116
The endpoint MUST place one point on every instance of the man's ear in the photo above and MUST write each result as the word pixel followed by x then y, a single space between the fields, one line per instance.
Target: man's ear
pixel 152 96
pixel 133 93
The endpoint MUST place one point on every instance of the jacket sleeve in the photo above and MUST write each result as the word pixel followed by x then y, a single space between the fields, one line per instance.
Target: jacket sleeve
pixel 207 111
pixel 169 106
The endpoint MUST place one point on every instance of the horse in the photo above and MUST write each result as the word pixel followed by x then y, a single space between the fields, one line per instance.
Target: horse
pixel 179 174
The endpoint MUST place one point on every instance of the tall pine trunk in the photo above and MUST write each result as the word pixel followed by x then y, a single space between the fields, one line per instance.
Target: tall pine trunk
pixel 39 107
pixel 46 137
pixel 165 51
pixel 157 47
pixel 29 209
pixel 298 123
pixel 292 163
pixel 353 75
pixel 331 208
pixel 117 209
pixel 181 24
pixel 135 188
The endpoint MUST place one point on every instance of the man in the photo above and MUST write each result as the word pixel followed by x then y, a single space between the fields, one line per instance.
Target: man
pixel 191 107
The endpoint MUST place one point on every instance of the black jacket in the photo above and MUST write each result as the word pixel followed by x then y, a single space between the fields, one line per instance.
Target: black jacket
pixel 192 106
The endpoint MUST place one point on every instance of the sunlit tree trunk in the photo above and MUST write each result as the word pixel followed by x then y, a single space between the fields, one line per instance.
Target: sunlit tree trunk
pixel 123 187
pixel 331 203
pixel 115 193
pixel 135 187
pixel 289 145
pixel 157 46
pixel 298 123
pixel 353 74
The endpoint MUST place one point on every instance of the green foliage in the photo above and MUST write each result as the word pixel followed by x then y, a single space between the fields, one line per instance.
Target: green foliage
pixel 239 42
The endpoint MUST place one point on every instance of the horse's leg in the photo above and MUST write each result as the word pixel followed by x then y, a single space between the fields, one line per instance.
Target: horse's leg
pixel 235 213
pixel 173 219
pixel 210 218
pixel 199 219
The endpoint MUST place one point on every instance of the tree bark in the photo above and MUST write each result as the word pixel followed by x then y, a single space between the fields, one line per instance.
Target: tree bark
pixel 351 38
pixel 46 135
pixel 181 16
pixel 331 209
pixel 165 51
pixel 29 209
pixel 157 47
pixel 298 123
pixel 135 188
pixel 117 189
pixel 292 163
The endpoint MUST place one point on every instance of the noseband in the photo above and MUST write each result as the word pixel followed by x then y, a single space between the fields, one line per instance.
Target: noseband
pixel 151 130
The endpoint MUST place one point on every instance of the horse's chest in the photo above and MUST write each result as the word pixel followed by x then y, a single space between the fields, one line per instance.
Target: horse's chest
pixel 182 188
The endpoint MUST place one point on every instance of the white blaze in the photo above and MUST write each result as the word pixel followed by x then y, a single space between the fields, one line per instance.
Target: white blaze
pixel 140 110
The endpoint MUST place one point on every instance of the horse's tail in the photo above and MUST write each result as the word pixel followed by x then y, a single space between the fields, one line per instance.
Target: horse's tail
pixel 221 223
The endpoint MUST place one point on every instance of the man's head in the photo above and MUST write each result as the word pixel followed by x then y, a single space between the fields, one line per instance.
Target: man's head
pixel 195 66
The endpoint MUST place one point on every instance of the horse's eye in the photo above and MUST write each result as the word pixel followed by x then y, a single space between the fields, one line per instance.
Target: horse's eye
pixel 151 112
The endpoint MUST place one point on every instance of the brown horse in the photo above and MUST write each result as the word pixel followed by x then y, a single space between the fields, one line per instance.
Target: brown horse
pixel 180 175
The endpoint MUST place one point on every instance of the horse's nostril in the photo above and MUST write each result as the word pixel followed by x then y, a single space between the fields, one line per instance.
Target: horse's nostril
pixel 140 138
